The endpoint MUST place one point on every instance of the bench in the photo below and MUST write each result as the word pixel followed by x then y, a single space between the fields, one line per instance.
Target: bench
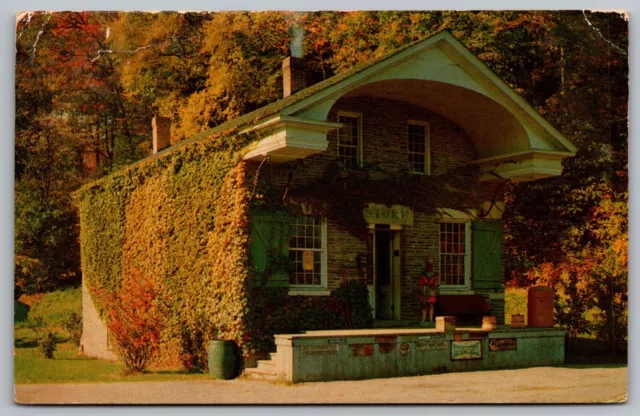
pixel 468 309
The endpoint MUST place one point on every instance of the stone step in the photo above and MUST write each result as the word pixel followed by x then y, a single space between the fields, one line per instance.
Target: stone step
pixel 273 355
pixel 267 365
pixel 260 374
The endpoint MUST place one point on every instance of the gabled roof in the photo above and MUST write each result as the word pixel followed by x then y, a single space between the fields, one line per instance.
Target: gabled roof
pixel 296 103
pixel 524 133
pixel 275 107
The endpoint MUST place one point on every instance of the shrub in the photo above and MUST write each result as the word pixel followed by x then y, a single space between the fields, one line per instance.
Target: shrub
pixel 135 320
pixel 47 344
pixel 72 324
pixel 356 297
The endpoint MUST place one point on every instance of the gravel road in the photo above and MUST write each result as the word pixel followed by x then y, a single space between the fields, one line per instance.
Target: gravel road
pixel 531 385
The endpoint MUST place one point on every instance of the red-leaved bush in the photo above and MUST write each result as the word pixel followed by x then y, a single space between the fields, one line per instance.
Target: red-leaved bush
pixel 135 320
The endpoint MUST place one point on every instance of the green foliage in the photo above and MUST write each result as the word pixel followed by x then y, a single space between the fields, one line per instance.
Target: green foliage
pixel 55 307
pixel 72 324
pixel 515 303
pixel 47 344
pixel 159 217
pixel 355 297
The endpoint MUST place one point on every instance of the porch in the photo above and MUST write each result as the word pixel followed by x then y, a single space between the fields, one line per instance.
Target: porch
pixel 397 352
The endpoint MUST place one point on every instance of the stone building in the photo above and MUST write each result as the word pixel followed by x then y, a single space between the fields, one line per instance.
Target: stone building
pixel 426 111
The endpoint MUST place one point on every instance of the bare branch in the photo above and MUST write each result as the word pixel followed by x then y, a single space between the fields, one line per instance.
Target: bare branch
pixel 29 16
pixel 35 44
pixel 127 51
pixel 600 34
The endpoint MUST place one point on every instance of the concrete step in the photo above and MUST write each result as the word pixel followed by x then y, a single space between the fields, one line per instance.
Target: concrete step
pixel 273 355
pixel 267 365
pixel 260 374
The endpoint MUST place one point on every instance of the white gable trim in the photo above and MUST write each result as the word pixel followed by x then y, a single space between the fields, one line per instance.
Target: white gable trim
pixel 476 69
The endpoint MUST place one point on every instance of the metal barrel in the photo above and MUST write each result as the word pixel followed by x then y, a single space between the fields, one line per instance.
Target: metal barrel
pixel 222 359
pixel 540 307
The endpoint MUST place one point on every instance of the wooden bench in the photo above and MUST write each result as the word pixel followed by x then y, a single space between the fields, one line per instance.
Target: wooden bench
pixel 468 309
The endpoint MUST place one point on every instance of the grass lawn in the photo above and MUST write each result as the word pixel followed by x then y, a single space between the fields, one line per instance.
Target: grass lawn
pixel 68 367
pixel 54 306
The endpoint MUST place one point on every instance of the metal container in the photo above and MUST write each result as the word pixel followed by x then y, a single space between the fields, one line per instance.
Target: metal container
pixel 540 307
pixel 222 359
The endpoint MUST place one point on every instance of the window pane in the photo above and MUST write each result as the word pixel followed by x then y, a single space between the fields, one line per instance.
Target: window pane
pixel 452 253
pixel 348 141
pixel 306 237
pixel 417 147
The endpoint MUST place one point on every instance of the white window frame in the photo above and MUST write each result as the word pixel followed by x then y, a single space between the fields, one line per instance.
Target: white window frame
pixel 467 256
pixel 427 139
pixel 321 289
pixel 360 155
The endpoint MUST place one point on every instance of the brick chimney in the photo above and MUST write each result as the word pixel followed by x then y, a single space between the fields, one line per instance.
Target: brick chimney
pixel 294 75
pixel 161 133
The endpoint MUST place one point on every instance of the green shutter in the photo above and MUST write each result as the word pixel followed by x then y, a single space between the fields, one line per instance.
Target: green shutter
pixel 270 239
pixel 487 254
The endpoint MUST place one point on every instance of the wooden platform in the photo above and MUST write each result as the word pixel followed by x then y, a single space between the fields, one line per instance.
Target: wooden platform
pixel 395 352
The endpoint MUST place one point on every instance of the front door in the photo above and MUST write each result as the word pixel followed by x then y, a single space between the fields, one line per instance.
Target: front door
pixel 385 253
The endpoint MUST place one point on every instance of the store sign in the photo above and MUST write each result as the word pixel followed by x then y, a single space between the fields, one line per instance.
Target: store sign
pixel 466 350
pixel 431 337
pixel 431 345
pixel 319 349
pixel 361 350
pixel 386 339
pixel 502 344
pixel 404 349
pixel 393 215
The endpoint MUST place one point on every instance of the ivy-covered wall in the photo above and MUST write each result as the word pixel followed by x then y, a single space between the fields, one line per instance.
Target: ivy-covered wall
pixel 183 219
pixel 179 218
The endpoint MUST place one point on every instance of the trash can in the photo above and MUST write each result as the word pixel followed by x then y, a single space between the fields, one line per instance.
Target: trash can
pixel 222 359
pixel 540 307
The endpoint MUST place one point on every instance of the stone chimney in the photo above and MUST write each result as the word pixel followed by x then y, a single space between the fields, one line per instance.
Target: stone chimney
pixel 294 75
pixel 161 133
pixel 294 68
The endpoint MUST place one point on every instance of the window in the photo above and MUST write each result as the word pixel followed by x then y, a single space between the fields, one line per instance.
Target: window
pixel 350 140
pixel 307 252
pixel 454 253
pixel 419 152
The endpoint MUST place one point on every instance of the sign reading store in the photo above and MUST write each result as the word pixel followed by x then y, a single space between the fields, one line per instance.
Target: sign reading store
pixel 393 215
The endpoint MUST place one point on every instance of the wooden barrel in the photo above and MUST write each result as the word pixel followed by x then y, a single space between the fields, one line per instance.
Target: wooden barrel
pixel 489 323
pixel 540 307
pixel 517 321
pixel 222 359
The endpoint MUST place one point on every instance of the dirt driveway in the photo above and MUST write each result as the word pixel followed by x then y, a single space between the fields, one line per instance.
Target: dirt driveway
pixel 531 385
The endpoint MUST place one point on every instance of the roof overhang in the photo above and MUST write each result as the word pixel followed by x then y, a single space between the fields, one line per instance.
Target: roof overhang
pixel 513 141
pixel 522 166
pixel 286 138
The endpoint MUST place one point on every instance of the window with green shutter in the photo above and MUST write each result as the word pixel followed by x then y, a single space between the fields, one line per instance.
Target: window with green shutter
pixel 269 247
pixel 487 254
pixel 288 250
